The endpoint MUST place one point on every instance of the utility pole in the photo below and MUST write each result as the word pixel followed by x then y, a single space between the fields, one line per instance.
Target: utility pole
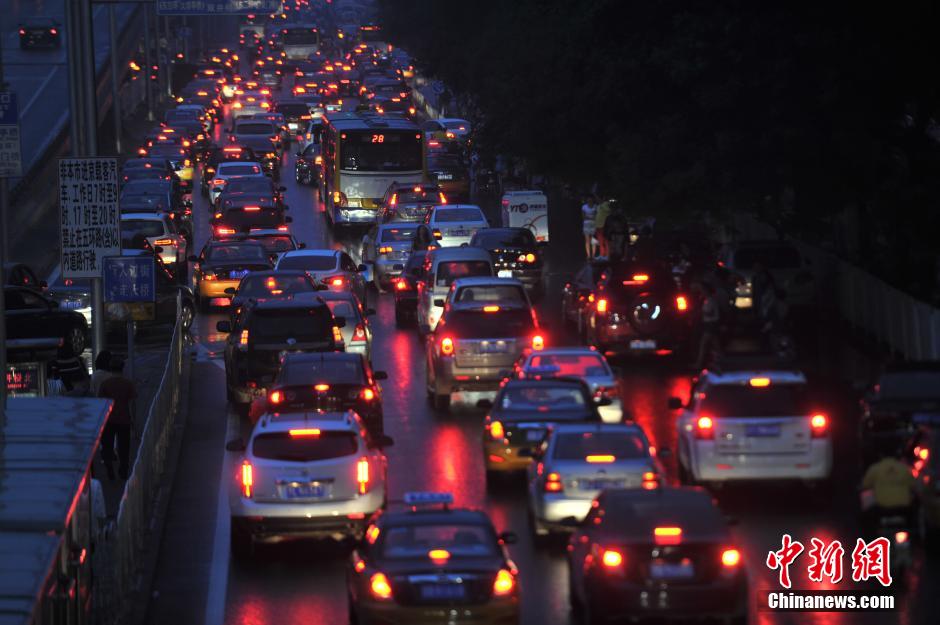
pixel 115 80
pixel 148 61
pixel 4 201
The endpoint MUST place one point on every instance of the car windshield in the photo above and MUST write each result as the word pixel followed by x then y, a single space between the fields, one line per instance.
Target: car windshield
pixel 739 400
pixel 273 244
pixel 398 234
pixel 770 256
pixel 251 184
pixel 238 169
pixel 255 128
pixel 580 445
pixel 454 215
pixel 421 196
pixel 235 251
pixel 153 202
pixel 575 365
pixel 449 271
pixel 509 293
pixel 308 262
pixel 339 371
pixel 415 541
pixel 300 37
pixel 504 238
pixel 307 325
pixel 146 227
pixel 543 398
pixel 456 124
pixel 910 385
pixel 273 286
pixel 307 448
pixel 479 324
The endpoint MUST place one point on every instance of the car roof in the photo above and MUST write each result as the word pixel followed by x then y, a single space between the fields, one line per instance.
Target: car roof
pixel 440 254
pixel 485 281
pixel 310 252
pixel 743 378
pixel 634 513
pixel 299 300
pixel 556 381
pixel 161 217
pixel 598 427
pixel 434 516
pixel 567 350
pixel 451 206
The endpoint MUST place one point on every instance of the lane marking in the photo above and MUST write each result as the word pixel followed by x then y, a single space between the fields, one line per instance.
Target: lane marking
pixel 40 89
pixel 218 572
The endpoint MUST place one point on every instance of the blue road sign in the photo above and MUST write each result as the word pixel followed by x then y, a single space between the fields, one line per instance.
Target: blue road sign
pixel 217 7
pixel 129 279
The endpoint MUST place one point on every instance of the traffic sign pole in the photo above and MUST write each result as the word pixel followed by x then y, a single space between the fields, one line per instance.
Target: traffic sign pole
pixel 115 80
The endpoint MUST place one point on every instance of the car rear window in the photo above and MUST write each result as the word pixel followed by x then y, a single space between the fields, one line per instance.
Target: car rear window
pixel 304 325
pixel 776 400
pixel 503 238
pixel 273 286
pixel 253 184
pixel 491 293
pixel 273 244
pixel 449 271
pixel 453 215
pixel 146 227
pixel 283 446
pixel 340 371
pixel 293 110
pixel 410 196
pixel 398 234
pixel 576 365
pixel 771 257
pixel 342 308
pixel 238 169
pixel 479 324
pixel 256 128
pixel 580 445
pixel 308 262
pixel 543 397
pixel 414 541
pixel 219 253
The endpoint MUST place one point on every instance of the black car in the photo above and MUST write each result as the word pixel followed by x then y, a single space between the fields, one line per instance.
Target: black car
pixel 261 286
pixel 515 254
pixel 890 405
pixel 331 381
pixel 664 553
pixel 39 32
pixel 242 213
pixel 229 153
pixel 409 201
pixel 32 315
pixel 19 274
pixel 638 309
pixel 405 289
pixel 296 113
pixel 256 186
pixel 263 332
pixel 308 165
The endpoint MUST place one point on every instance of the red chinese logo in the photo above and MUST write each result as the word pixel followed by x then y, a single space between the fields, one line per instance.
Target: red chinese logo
pixel 872 560
pixel 783 558
pixel 826 561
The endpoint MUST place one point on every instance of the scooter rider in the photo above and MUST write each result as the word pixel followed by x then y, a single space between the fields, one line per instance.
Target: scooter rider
pixel 893 489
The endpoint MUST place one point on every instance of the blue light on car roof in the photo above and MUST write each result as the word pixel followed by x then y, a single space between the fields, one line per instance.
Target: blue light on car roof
pixel 542 370
pixel 425 498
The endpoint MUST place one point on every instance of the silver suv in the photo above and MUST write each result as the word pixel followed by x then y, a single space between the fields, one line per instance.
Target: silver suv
pixel 309 475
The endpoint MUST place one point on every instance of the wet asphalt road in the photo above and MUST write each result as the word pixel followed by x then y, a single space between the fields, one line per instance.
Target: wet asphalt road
pixel 303 582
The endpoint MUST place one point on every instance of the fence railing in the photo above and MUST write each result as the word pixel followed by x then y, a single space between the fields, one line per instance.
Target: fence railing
pixel 119 562
pixel 907 325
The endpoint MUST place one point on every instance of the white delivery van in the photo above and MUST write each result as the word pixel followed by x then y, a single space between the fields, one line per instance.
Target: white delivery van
pixel 526 209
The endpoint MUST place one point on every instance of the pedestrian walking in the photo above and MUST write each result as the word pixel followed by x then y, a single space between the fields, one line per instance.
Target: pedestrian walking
pixel 588 215
pixel 102 372
pixel 616 231
pixel 73 374
pixel 117 432
pixel 600 220
pixel 710 341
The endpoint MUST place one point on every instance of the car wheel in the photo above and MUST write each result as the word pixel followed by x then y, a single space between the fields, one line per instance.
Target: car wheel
pixel 76 340
pixel 241 542
pixel 187 314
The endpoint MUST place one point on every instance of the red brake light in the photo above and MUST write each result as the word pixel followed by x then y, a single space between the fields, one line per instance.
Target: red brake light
pixel 337 281
pixel 243 339
pixel 667 535
pixel 394 199
pixel 321 388
pixel 682 304
pixel 447 346
pixel 705 428
pixel 368 394
pixel 497 431
pixel 553 483
pixel 304 432
pixel 380 587
pixel 490 309
pixel 730 557
pixel 443 198
pixel 276 397
pixel 538 342
pixel 819 425
pixel 600 459
pixel 247 478
pixel 362 475
pixel 359 334
pixel 252 209
pixel 439 556
pixel 504 583
pixel 612 559
pixel 759 382
pixel 602 305
pixel 401 284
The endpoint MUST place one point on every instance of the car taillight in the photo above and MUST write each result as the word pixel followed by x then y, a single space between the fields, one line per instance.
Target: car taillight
pixel 667 535
pixel 223 230
pixel 53 31
pixel 362 475
pixel 901 537
pixel 610 392
pixel 276 397
pixel 705 428
pixel 527 258
pixel 553 483
pixel 164 242
pixel 730 558
pixel 394 199
pixel 359 334
pixel 611 559
pixel 447 346
pixel 318 160
pixel 337 335
pixel 443 198
pixel 650 480
pixel 380 587
pixel 497 431
pixel 386 249
pixel 538 342
pixel 601 305
pixel 367 394
pixel 243 339
pixel 504 584
pixel 819 425
pixel 682 304
pixel 248 478
pixel 401 284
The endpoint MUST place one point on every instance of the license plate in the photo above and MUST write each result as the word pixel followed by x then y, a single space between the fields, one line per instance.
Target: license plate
pixel 443 591
pixel 764 430
pixel 238 275
pixel 445 176
pixel 300 490
pixel 600 484
pixel 458 233
pixel 534 436
pixel 492 348
pixel 672 570
pixel 504 273
pixel 643 344
pixel 71 305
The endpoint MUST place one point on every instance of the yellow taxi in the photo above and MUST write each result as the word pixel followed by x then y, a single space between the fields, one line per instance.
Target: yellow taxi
pixel 220 267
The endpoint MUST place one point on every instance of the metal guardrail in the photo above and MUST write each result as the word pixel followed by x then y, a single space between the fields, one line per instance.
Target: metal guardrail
pixel 907 325
pixel 120 558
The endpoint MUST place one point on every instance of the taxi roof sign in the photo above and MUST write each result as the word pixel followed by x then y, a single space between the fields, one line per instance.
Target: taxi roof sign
pixel 542 369
pixel 426 498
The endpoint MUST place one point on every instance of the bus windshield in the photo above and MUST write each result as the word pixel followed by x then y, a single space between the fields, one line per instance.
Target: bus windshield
pixel 300 37
pixel 369 150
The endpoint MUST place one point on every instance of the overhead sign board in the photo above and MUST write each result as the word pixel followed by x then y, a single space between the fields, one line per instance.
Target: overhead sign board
pixel 89 217
pixel 217 7
pixel 11 162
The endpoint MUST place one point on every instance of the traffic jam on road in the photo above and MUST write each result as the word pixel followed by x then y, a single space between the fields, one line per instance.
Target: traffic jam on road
pixel 408 403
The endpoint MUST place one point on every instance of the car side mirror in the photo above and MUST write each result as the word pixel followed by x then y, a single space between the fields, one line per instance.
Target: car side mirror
pixel 604 401
pixel 675 403
pixel 288 220
pixel 439 303
pixel 193 259
pixel 43 284
pixel 381 441
pixel 380 375
pixel 362 268
pixel 236 444
pixel 508 538
pixel 282 189
pixel 301 246
pixel 484 404
pixel 340 322
pixel 223 326
pixel 368 312
pixel 230 290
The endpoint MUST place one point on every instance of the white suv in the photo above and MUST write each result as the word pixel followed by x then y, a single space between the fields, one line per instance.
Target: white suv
pixel 306 476
pixel 752 425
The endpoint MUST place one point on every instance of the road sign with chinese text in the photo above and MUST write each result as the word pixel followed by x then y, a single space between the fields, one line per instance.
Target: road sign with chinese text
pixel 130 287
pixel 217 7
pixel 89 218
pixel 11 162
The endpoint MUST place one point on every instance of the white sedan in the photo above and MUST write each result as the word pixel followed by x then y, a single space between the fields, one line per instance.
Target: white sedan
pixel 454 225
